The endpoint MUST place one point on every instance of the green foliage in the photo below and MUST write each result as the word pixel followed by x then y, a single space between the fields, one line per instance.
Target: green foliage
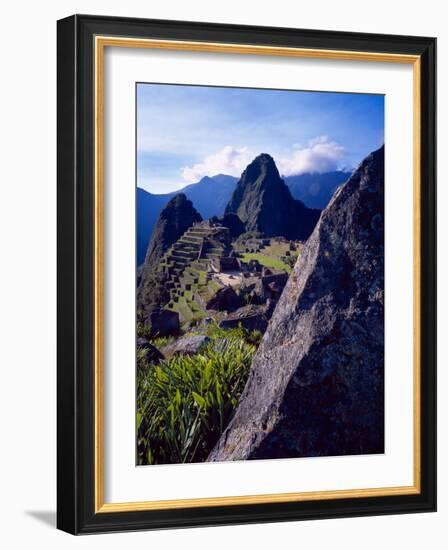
pixel 161 341
pixel 290 261
pixel 237 333
pixel 142 329
pixel 264 259
pixel 185 403
pixel 249 235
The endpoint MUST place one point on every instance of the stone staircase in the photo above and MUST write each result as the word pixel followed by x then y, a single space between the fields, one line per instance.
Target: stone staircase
pixel 186 265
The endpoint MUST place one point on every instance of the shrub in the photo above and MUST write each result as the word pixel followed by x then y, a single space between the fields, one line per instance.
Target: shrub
pixel 185 403
pixel 250 337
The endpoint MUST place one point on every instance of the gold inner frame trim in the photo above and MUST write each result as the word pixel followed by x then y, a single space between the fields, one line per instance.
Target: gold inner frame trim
pixel 101 42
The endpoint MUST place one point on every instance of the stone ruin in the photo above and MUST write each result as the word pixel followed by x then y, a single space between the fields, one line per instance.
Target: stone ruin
pixel 192 266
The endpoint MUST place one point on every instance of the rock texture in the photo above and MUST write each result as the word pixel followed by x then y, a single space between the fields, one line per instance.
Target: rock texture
pixel 316 386
pixel 249 317
pixel 264 203
pixel 225 299
pixel 189 345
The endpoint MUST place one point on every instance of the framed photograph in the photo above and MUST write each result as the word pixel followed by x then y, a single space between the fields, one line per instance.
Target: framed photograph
pixel 246 274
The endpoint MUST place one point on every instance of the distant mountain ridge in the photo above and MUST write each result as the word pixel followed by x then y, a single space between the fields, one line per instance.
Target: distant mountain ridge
pixel 211 195
pixel 316 190
pixel 148 208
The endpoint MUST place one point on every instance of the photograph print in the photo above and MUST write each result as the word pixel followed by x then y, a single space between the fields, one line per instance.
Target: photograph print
pixel 260 274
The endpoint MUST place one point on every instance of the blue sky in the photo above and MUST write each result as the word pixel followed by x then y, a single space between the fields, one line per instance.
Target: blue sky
pixel 187 132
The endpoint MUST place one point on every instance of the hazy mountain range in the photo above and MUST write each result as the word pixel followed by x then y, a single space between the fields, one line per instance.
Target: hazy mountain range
pixel 211 195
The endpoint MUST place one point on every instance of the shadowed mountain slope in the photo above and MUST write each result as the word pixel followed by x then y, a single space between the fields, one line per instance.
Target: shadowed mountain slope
pixel 264 203
pixel 177 216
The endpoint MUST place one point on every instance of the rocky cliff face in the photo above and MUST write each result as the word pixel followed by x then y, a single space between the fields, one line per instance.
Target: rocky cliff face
pixel 177 216
pixel 316 386
pixel 264 203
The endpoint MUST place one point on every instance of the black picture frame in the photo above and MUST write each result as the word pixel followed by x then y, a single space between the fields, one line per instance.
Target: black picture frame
pixel 76 262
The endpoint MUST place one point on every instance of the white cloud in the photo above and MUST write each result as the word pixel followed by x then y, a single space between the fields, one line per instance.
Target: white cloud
pixel 321 155
pixel 229 160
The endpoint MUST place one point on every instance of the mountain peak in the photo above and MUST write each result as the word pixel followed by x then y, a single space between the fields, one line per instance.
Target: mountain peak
pixel 178 215
pixel 264 203
pixel 177 201
pixel 263 158
pixel 262 165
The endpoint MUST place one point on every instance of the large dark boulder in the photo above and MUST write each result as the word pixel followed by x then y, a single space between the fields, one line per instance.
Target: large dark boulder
pixel 316 385
pixel 162 322
pixel 225 299
pixel 188 345
pixel 268 287
pixel 263 202
pixel 248 317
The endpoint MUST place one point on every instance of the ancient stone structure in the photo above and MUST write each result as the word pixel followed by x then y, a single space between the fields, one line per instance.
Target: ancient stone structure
pixel 225 299
pixel 177 216
pixel 248 317
pixel 225 263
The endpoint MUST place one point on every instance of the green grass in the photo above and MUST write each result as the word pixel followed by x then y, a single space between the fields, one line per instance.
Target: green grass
pixel 265 260
pixel 276 249
pixel 185 403
pixel 182 307
pixel 214 286
pixel 188 295
pixel 161 341
pixel 238 333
